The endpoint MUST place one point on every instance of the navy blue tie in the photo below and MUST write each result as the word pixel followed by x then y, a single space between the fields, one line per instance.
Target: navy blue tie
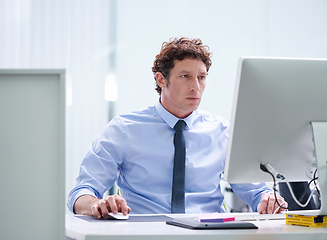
pixel 178 188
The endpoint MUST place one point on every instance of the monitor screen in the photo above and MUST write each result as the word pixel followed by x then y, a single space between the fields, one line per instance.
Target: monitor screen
pixel 275 101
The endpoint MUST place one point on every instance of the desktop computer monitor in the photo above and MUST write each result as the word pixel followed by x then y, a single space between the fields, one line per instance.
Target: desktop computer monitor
pixel 279 118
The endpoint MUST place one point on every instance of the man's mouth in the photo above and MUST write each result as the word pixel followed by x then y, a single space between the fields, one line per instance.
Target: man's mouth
pixel 193 98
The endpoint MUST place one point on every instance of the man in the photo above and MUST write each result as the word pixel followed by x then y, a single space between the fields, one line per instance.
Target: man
pixel 137 149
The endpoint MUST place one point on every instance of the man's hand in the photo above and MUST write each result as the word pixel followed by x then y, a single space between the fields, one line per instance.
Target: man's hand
pixel 89 205
pixel 268 204
pixel 114 203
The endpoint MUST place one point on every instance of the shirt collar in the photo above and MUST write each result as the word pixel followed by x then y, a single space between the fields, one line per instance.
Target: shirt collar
pixel 171 120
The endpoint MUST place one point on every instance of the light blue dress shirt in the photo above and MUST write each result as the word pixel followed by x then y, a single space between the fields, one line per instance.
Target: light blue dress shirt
pixel 137 151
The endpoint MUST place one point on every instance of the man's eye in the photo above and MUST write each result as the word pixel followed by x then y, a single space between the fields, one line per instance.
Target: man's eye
pixel 184 76
pixel 202 77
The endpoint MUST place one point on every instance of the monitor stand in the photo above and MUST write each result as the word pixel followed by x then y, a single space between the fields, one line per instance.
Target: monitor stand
pixel 319 130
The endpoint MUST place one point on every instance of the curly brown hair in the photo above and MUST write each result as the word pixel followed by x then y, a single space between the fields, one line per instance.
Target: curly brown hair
pixel 179 49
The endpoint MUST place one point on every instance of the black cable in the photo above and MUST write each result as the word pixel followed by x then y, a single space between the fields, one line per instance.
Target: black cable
pixel 315 183
pixel 308 185
pixel 265 169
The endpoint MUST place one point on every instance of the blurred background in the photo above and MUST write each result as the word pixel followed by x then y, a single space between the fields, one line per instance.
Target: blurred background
pixel 108 46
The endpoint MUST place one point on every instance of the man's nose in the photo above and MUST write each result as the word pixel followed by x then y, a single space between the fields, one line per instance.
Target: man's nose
pixel 195 85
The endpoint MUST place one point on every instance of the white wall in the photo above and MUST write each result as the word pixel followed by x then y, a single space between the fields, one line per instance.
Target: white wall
pixel 290 28
pixel 72 35
pixel 75 35
pixel 88 67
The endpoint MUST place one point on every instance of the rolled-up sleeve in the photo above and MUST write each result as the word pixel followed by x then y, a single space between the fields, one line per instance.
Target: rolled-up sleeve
pixel 98 170
pixel 251 193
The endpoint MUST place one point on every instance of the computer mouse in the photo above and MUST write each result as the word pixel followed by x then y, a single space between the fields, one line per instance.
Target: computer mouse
pixel 118 216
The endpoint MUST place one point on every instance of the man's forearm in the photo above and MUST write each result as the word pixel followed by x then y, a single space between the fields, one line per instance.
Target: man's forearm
pixel 83 204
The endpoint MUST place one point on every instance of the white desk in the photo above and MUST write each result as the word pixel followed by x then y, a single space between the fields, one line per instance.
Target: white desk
pixel 80 229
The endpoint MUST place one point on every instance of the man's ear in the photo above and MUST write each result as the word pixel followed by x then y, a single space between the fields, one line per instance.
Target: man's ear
pixel 161 81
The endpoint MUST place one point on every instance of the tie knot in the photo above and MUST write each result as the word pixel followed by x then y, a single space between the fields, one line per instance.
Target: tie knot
pixel 179 126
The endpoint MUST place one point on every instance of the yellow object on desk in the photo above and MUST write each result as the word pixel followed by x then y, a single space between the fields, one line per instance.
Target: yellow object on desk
pixel 307 221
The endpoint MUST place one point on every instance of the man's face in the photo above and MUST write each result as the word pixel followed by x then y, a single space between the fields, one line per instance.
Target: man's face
pixel 182 94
